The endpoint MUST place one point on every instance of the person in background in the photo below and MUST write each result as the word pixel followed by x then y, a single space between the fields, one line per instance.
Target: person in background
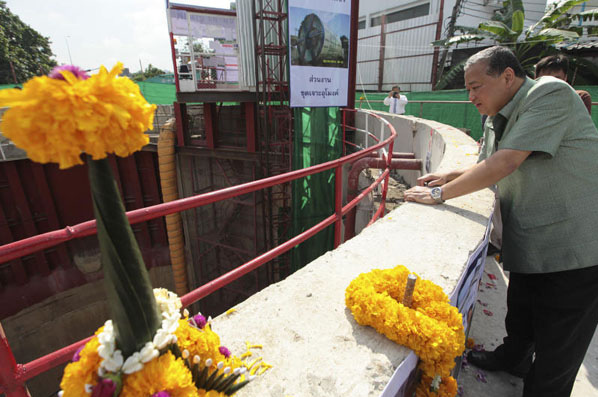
pixel 395 101
pixel 558 66
pixel 540 148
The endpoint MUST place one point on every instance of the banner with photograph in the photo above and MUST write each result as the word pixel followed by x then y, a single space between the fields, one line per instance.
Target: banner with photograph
pixel 319 49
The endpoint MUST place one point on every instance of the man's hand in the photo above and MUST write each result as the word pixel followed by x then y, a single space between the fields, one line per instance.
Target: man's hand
pixel 420 194
pixel 432 180
pixel 390 94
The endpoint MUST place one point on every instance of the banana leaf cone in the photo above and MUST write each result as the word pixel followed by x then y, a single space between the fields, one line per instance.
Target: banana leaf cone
pixel 131 301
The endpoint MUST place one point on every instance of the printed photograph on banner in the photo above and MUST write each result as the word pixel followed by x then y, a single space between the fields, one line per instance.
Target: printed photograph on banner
pixel 319 50
pixel 319 38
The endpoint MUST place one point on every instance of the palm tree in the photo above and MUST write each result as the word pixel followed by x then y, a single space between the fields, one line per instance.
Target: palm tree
pixel 506 28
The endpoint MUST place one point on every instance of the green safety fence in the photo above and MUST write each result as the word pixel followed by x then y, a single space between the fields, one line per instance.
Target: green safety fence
pixel 459 115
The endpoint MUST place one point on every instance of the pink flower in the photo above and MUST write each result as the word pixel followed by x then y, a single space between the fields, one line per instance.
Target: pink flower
pixel 162 393
pixel 76 356
pixel 77 71
pixel 224 351
pixel 199 320
pixel 105 388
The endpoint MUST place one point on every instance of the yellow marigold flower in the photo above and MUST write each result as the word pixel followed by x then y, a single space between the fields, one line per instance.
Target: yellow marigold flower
pixel 201 342
pixel 56 120
pixel 470 343
pixel 84 371
pixel 162 373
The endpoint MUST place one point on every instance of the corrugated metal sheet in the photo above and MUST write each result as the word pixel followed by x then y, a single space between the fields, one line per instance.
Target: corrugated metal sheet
pixel 246 44
pixel 407 53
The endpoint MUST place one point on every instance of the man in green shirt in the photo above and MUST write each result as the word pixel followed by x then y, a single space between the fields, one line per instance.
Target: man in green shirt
pixel 540 148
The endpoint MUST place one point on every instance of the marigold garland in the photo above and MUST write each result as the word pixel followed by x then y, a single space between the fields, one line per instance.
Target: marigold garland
pixel 54 120
pixel 432 328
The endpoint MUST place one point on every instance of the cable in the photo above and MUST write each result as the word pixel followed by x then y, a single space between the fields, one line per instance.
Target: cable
pixel 362 89
pixel 492 12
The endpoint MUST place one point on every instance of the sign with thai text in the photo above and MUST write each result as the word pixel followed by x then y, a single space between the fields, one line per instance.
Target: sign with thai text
pixel 319 49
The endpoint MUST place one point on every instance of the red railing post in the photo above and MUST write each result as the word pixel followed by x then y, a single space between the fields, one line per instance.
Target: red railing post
pixel 9 371
pixel 338 204
pixel 344 131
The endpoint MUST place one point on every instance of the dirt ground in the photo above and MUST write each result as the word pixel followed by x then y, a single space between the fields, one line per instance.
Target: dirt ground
pixel 394 196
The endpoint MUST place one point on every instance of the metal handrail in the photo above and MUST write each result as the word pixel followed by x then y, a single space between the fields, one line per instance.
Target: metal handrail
pixel 13 376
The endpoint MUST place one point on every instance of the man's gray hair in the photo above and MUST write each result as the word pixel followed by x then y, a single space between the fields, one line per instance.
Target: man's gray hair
pixel 497 59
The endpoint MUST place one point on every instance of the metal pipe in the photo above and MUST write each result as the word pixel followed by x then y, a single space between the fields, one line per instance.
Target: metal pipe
pixel 174 225
pixel 358 166
pixel 338 203
pixel 353 53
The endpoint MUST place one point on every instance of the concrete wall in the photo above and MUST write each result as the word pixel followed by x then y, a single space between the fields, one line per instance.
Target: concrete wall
pixel 308 334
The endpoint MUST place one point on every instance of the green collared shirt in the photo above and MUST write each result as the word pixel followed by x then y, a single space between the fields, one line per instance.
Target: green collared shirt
pixel 549 204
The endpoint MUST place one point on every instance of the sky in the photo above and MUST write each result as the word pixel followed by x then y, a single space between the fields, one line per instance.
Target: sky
pixel 105 32
pixel 102 32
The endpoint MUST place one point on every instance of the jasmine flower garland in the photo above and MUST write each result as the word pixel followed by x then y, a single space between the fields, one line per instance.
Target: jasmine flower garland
pixel 431 327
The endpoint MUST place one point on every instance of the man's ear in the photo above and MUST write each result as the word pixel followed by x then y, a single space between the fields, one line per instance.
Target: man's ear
pixel 509 76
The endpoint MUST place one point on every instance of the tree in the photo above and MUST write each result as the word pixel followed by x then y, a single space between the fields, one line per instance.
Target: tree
pixel 506 28
pixel 150 71
pixel 24 53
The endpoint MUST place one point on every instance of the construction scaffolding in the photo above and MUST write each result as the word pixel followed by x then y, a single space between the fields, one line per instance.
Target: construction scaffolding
pixel 274 121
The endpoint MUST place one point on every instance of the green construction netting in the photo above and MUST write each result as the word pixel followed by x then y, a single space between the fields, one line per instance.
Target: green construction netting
pixel 457 115
pixel 158 93
pixel 317 139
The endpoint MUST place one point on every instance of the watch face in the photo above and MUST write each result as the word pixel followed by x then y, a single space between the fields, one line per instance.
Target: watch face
pixel 436 193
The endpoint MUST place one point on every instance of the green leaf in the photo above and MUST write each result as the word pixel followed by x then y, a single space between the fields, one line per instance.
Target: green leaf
pixel 446 78
pixel 558 34
pixel 556 11
pixel 131 301
pixel 497 28
pixel 517 24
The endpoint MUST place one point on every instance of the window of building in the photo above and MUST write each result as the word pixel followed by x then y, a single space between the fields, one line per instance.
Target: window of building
pixel 401 15
pixel 361 25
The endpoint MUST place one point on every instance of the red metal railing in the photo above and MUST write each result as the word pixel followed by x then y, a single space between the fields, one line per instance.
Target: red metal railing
pixel 13 376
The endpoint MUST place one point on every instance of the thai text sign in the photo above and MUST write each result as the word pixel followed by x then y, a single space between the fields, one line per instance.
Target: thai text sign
pixel 319 32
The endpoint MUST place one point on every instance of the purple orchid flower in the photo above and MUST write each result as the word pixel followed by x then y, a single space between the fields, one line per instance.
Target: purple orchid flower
pixel 224 351
pixel 77 71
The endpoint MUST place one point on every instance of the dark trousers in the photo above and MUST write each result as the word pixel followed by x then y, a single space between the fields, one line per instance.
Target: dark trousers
pixel 553 315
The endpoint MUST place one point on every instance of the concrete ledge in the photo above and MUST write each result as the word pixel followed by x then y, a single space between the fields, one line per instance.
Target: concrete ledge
pixel 309 336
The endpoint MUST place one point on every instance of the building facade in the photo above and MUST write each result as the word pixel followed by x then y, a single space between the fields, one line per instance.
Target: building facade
pixel 394 46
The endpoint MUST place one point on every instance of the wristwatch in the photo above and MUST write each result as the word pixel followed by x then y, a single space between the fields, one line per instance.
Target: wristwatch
pixel 436 193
